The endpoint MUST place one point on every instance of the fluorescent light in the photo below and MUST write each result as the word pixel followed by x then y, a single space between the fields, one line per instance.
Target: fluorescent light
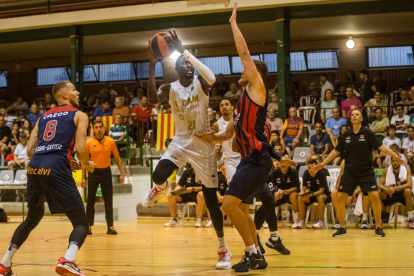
pixel 350 44
pixel 175 55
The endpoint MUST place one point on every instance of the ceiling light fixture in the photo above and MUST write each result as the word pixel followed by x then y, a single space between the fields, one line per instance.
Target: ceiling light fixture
pixel 350 44
pixel 175 55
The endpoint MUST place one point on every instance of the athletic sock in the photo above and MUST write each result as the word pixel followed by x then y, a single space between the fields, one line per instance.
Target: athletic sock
pixel 222 243
pixel 274 235
pixel 296 217
pixel 72 250
pixel 251 249
pixel 7 260
pixel 258 249
pixel 410 214
pixel 365 216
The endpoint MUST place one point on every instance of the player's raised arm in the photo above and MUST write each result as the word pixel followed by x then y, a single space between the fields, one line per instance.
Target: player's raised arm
pixel 81 122
pixel 253 76
pixel 155 96
pixel 31 145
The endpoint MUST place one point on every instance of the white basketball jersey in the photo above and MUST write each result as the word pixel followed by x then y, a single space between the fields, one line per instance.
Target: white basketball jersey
pixel 189 107
pixel 227 144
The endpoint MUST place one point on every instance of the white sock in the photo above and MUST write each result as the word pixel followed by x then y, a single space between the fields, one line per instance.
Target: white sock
pixel 365 216
pixel 258 249
pixel 251 249
pixel 274 235
pixel 198 220
pixel 222 243
pixel 7 260
pixel 410 214
pixel 72 250
pixel 296 217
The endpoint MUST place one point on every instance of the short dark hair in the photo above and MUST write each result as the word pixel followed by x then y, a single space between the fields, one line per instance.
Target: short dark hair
pixel 410 127
pixel 228 99
pixel 395 146
pixel 58 86
pixel 336 107
pixel 364 72
pixel 399 105
pixel 96 122
pixel 323 75
pixel 392 127
pixel 106 101
pixel 179 60
pixel 378 108
pixel 275 131
pixel 312 161
pixel 261 67
pixel 320 123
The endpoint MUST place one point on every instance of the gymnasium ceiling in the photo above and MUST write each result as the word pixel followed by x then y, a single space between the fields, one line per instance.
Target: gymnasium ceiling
pixel 263 32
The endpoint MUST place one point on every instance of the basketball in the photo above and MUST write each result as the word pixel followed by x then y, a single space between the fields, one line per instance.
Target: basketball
pixel 159 47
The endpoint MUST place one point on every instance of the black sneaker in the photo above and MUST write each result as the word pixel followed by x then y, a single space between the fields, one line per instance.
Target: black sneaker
pixel 111 231
pixel 278 246
pixel 244 265
pixel 90 231
pixel 257 261
pixel 341 232
pixel 262 250
pixel 379 232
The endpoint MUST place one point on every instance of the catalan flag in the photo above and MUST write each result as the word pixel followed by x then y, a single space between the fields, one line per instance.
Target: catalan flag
pixel 165 130
pixel 107 122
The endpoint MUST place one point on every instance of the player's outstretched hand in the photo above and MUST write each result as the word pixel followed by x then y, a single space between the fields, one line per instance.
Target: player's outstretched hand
pixel 90 166
pixel 234 14
pixel 317 168
pixel 401 161
pixel 205 136
pixel 153 58
pixel 291 163
pixel 175 41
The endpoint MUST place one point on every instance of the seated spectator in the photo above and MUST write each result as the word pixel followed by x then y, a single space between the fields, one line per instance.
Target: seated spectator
pixel 326 85
pixel 284 184
pixel 8 118
pixel 273 104
pixel 120 108
pixel 293 129
pixel 397 188
pixel 314 189
pixel 48 100
pixel 117 130
pixel 391 139
pixel 140 92
pixel 375 102
pixel 211 117
pixel 364 123
pixel 327 104
pixel 14 137
pixel 275 123
pixel 215 99
pixel 104 110
pixel 275 139
pixel 380 83
pixel 234 92
pixel 4 135
pixel 348 102
pixel 320 143
pixel 333 125
pixel 408 145
pixel 35 115
pixel 396 149
pixel 401 121
pixel 9 155
pixel 380 125
pixel 88 105
pixel 108 89
pixel 221 85
pixel 192 193
pixel 21 160
pixel 143 110
pixel 19 104
pixel 404 101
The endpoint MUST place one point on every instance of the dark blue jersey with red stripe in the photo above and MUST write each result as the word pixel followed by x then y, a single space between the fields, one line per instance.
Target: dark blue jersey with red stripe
pixel 57 131
pixel 249 123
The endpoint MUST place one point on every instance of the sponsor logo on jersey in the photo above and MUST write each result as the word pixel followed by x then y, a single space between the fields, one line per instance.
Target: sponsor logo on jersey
pixel 41 171
pixel 54 115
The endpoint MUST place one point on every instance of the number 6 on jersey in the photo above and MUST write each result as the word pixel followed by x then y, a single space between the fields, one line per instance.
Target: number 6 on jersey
pixel 50 130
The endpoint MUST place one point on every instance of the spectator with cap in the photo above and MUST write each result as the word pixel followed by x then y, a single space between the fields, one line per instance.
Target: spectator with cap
pixel 20 158
pixel 334 124
pixel 380 125
pixel 275 123
pixel 293 129
pixel 104 110
pixel 35 115
pixel 401 121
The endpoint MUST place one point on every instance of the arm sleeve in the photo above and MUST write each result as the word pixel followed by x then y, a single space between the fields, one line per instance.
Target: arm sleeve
pixel 114 149
pixel 204 71
pixel 373 140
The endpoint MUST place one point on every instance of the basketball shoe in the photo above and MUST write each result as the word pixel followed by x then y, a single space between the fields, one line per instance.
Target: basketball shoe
pixel 172 223
pixel 6 271
pixel 410 223
pixel 278 246
pixel 249 262
pixel 154 194
pixel 209 224
pixel 111 231
pixel 364 224
pixel 224 260
pixel 318 225
pixel 301 225
pixel 67 268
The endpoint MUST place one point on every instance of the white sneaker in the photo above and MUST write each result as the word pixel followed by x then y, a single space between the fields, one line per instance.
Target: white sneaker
pixel 301 225
pixel 336 226
pixel 154 194
pixel 172 223
pixel 265 225
pixel 224 260
pixel 295 226
pixel 199 224
pixel 318 225
pixel 209 224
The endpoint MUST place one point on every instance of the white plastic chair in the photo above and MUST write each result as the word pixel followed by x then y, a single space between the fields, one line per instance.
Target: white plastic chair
pixel 21 177
pixel 394 211
pixel 6 177
pixel 309 113
pixel 306 100
pixel 186 210
pixel 334 173
pixel 300 154
pixel 302 170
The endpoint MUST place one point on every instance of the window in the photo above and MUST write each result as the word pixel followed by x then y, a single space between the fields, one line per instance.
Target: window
pixel 237 66
pixel 116 72
pixel 50 76
pixel 322 59
pixel 219 65
pixel 142 69
pixel 271 61
pixel 3 80
pixel 297 61
pixel 90 73
pixel 390 56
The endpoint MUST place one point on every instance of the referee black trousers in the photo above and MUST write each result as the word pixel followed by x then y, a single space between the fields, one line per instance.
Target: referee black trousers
pixel 103 177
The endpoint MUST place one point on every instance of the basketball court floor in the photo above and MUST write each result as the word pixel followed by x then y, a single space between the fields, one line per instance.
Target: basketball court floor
pixel 145 247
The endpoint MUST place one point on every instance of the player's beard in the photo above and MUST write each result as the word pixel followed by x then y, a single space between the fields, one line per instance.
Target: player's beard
pixel 74 103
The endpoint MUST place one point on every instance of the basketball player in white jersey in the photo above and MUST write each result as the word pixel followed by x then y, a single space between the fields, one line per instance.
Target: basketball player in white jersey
pixel 188 97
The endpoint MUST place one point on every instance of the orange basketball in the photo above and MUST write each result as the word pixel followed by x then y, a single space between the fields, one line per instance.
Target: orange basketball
pixel 159 46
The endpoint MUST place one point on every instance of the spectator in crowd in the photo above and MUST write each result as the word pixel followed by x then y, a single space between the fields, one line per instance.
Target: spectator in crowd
pixel 275 123
pixel 89 104
pixel 221 85
pixel 364 123
pixel 313 90
pixel 320 142
pixel 275 139
pixel 396 149
pixel 377 101
pixel 118 130
pixel 293 129
pixel 234 92
pixel 108 88
pixel 401 121
pixel 139 86
pixel 120 108
pixel 53 105
pixel 342 95
pixel 380 125
pixel 143 111
pixel 350 100
pixel 323 78
pixel 273 104
pixel 21 160
pixel 314 189
pixel 333 125
pixel 187 190
pixel 380 83
pixel 14 137
pixel 327 104
pixel 391 139
pixel 367 88
pixel 8 118
pixel 215 99
pixel 404 101
pixel 4 135
pixel 351 78
pixel 408 145
pixel 19 104
pixel 397 188
pixel 140 92
pixel 104 110
pixel 35 115
pixel 211 117
pixel 26 128
pixel 338 159
pixel 9 156
pixel 48 100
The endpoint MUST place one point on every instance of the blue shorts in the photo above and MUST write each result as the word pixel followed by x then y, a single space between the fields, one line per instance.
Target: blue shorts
pixel 251 176
pixel 49 177
pixel 289 139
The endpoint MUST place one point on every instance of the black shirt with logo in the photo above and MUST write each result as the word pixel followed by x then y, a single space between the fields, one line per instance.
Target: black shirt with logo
pixel 313 184
pixel 356 149
pixel 278 180
pixel 187 179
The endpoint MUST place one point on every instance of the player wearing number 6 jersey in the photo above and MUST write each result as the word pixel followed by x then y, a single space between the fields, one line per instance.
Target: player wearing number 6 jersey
pixel 188 97
pixel 49 175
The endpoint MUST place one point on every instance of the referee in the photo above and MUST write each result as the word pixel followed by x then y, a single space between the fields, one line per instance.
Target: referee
pixel 356 145
pixel 100 149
